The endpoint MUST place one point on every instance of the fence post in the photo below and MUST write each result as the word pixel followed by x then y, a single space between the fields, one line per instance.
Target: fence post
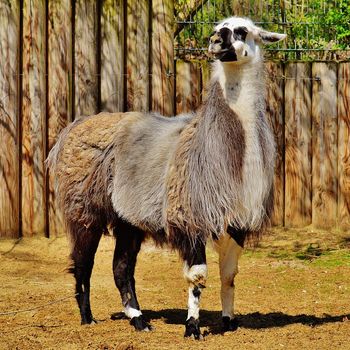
pixel 344 145
pixel 188 86
pixel 34 118
pixel 205 78
pixel 297 144
pixel 59 91
pixel 324 144
pixel 9 110
pixel 137 55
pixel 274 109
pixel 112 55
pixel 163 56
pixel 85 58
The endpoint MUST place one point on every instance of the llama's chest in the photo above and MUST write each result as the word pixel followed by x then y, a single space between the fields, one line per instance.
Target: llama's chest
pixel 257 172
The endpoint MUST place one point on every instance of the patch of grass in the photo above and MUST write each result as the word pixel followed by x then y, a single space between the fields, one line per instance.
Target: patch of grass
pixel 279 254
pixel 312 252
pixel 333 259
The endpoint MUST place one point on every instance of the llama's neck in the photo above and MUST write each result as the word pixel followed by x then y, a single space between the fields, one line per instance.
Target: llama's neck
pixel 242 86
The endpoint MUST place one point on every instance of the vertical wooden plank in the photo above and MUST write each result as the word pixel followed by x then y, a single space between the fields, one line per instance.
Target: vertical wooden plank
pixel 297 144
pixel 85 57
pixel 205 78
pixel 33 118
pixel 137 55
pixel 344 145
pixel 112 56
pixel 9 104
pixel 59 89
pixel 188 78
pixel 324 144
pixel 274 109
pixel 163 56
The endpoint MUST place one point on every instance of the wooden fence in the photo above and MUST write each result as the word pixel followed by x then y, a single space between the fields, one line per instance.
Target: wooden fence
pixel 62 59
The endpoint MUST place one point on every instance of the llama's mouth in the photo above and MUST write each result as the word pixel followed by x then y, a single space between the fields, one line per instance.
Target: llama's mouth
pixel 228 55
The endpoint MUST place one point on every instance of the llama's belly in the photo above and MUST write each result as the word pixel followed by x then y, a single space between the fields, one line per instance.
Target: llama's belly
pixel 141 164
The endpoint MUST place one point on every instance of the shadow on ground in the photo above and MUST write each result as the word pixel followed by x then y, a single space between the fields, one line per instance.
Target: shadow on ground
pixel 256 320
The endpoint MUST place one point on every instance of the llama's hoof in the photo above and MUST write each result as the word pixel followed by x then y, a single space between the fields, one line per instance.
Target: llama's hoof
pixel 140 324
pixel 192 329
pixel 88 320
pixel 230 324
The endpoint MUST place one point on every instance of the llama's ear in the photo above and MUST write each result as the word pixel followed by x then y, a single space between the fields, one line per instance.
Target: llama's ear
pixel 266 37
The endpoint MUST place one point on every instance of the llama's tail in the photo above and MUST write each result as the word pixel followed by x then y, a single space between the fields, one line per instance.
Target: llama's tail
pixel 53 157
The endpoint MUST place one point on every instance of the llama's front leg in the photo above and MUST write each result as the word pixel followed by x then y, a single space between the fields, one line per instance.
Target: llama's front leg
pixel 195 271
pixel 229 253
pixel 128 245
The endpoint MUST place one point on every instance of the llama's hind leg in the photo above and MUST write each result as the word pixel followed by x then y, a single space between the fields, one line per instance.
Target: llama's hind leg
pixel 195 271
pixel 229 252
pixel 83 254
pixel 128 244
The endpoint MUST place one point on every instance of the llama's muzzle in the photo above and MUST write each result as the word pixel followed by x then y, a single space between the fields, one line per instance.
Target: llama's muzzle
pixel 221 47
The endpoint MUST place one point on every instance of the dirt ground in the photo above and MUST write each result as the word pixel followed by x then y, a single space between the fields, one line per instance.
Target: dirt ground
pixel 293 291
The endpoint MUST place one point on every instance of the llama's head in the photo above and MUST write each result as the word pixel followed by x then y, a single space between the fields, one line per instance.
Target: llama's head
pixel 237 40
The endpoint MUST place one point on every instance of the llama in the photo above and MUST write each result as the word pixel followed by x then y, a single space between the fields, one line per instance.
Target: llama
pixel 184 181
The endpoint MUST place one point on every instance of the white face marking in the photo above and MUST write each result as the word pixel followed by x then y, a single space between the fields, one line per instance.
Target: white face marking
pixel 193 304
pixel 131 312
pixel 244 49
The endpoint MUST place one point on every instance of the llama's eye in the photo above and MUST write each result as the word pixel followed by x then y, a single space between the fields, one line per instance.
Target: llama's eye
pixel 240 33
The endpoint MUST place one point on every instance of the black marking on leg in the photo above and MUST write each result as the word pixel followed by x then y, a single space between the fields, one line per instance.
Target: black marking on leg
pixel 140 324
pixel 192 328
pixel 238 235
pixel 229 324
pixel 196 292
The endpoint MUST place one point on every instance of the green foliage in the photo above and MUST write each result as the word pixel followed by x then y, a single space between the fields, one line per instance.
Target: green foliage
pixel 315 28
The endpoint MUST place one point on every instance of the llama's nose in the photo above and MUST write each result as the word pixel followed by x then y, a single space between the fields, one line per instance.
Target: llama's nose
pixel 215 39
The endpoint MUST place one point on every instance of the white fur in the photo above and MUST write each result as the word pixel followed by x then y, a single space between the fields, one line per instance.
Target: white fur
pixel 243 88
pixel 193 304
pixel 196 273
pixel 131 312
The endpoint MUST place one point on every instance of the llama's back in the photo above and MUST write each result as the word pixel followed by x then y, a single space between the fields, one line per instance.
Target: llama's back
pixel 123 153
pixel 143 152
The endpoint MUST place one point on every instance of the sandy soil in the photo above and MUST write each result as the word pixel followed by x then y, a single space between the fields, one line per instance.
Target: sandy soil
pixel 292 292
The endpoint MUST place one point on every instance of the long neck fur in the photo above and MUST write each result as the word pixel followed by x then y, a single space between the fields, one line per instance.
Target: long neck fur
pixel 242 84
pixel 207 186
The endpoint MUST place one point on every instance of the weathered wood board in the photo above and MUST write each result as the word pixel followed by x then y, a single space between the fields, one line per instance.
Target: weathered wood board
pixel 324 144
pixel 188 86
pixel 9 127
pixel 33 118
pixel 59 91
pixel 138 55
pixel 205 78
pixel 275 114
pixel 298 144
pixel 112 56
pixel 85 58
pixel 344 145
pixel 163 57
